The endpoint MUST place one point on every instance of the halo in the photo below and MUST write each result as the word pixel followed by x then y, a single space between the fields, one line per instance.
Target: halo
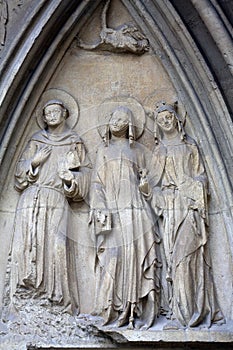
pixel 69 102
pixel 108 105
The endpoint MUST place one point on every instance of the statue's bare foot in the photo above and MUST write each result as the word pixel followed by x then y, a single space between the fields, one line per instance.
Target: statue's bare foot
pixel 121 323
pixel 122 320
pixel 172 325
pixel 3 328
pixel 220 322
pixel 145 327
pixel 67 309
pixel 12 313
pixel 139 324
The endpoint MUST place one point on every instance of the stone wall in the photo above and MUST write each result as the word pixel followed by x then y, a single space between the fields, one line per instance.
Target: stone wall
pixel 57 45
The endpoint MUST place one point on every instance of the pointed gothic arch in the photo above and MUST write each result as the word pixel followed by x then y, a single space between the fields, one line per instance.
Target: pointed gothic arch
pixel 40 46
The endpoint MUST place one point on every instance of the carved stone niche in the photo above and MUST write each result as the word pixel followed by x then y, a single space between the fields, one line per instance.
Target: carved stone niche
pixel 113 233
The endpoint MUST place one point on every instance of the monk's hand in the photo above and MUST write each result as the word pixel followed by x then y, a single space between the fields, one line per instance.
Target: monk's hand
pixel 41 156
pixel 66 176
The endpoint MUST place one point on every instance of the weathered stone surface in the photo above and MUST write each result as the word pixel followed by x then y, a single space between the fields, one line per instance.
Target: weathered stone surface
pixel 97 52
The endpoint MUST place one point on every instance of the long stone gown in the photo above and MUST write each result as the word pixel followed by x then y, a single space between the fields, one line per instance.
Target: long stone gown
pixel 179 172
pixel 42 256
pixel 127 264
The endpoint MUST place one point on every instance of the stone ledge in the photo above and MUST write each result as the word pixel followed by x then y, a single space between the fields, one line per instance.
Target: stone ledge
pixel 215 334
pixel 181 336
pixel 106 337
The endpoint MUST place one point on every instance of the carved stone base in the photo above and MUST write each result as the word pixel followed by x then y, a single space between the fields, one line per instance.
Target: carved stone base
pixel 42 329
pixel 220 334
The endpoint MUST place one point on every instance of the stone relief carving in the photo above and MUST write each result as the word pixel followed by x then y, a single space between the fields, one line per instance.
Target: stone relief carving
pixel 127 263
pixel 180 176
pixel 148 221
pixel 125 38
pixel 52 169
pixel 3 20
pixel 148 214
